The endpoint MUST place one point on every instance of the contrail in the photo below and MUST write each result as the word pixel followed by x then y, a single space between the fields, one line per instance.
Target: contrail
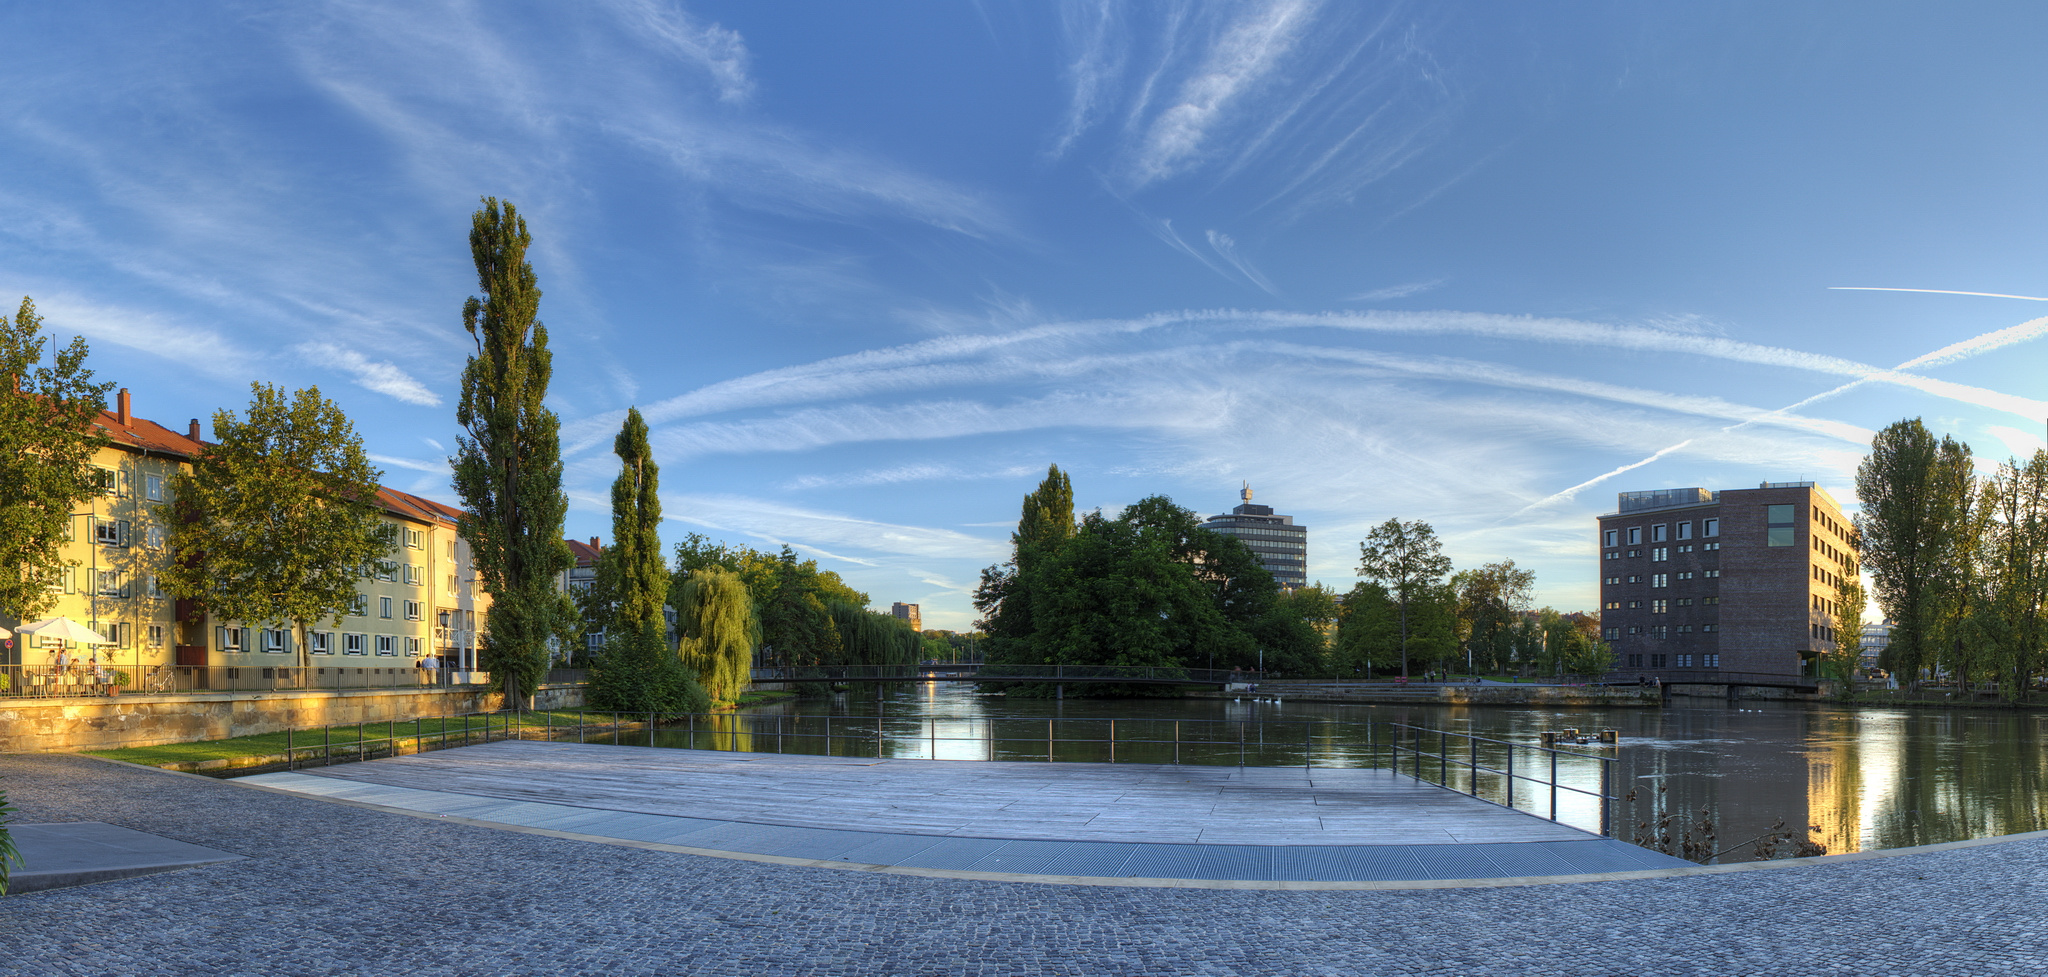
pixel 1935 291
pixel 1994 339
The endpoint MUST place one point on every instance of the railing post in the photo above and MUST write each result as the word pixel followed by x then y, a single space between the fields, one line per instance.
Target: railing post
pixel 1307 746
pixel 1553 785
pixel 1474 763
pixel 1606 785
pixel 1176 742
pixel 1511 776
pixel 1112 741
pixel 650 727
pixel 327 745
pixel 1048 741
pixel 1240 742
pixel 878 734
pixel 289 758
pixel 828 735
pixel 1443 757
pixel 933 724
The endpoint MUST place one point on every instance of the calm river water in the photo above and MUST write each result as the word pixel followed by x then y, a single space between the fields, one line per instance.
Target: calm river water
pixel 1867 778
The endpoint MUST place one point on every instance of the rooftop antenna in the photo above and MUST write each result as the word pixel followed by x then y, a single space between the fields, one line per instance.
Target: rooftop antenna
pixel 1247 493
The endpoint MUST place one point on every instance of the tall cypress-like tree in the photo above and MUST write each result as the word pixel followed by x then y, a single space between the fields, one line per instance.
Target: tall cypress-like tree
pixel 508 466
pixel 633 572
pixel 47 443
pixel 1004 597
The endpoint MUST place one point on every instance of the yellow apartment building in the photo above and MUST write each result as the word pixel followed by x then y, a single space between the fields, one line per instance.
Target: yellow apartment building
pixel 421 601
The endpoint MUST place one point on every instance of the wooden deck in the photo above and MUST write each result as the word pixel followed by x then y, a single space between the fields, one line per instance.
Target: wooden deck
pixel 1027 801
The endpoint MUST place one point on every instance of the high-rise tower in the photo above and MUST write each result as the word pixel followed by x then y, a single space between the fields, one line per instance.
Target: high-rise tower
pixel 1280 545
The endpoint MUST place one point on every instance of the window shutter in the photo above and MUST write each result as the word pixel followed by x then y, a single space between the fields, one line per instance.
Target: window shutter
pixel 70 578
pixel 124 537
pixel 220 638
pixel 127 488
pixel 127 590
pixel 246 635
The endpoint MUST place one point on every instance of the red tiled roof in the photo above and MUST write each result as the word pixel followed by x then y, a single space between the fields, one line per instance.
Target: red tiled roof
pixel 585 553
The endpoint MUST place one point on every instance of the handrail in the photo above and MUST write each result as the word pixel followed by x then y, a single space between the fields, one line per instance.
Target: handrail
pixel 1166 674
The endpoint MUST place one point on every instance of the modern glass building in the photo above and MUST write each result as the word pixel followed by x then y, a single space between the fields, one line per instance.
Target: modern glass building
pixel 1279 544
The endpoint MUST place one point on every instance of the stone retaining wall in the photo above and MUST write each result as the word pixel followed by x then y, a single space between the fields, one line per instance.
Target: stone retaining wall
pixel 52 725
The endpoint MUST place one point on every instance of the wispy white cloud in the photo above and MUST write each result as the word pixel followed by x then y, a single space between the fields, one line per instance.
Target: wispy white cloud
pixel 1401 291
pixel 1936 291
pixel 1226 246
pixel 1089 30
pixel 1250 49
pixel 383 377
pixel 721 53
pixel 818 528
pixel 901 474
pixel 437 466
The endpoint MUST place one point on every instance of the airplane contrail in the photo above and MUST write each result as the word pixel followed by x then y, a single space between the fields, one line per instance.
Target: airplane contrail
pixel 1935 291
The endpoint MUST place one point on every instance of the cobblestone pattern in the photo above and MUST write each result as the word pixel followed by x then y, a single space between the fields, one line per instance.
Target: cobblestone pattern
pixel 330 889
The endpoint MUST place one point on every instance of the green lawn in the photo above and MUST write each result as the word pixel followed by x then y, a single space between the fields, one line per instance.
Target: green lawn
pixel 374 734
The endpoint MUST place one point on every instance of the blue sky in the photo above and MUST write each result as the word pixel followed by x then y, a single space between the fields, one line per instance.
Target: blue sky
pixel 869 268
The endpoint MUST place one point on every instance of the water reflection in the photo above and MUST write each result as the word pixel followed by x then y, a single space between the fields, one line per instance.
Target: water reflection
pixel 1866 778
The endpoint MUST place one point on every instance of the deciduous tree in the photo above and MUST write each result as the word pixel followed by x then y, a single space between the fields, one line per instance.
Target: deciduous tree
pixel 508 465
pixel 719 631
pixel 1407 559
pixel 48 403
pixel 276 521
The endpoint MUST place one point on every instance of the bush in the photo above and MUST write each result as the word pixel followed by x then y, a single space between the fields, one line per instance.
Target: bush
pixel 640 673
pixel 9 857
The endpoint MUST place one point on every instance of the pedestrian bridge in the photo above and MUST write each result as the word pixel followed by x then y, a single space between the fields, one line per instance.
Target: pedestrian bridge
pixel 981 672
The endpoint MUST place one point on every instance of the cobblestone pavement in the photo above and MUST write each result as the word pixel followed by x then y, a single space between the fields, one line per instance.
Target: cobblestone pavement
pixel 330 889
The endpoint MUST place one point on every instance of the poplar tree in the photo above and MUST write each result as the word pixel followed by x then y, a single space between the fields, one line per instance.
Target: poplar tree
pixel 508 465
pixel 1899 525
pixel 1406 559
pixel 276 521
pixel 47 443
pixel 1848 624
pixel 632 572
pixel 1045 524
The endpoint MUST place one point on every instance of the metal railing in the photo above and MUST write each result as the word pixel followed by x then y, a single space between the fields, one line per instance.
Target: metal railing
pixel 1560 785
pixel 1007 673
pixel 81 680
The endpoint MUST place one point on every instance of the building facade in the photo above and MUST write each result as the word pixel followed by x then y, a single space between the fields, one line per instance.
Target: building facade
pixel 907 613
pixel 420 600
pixel 1280 545
pixel 1740 580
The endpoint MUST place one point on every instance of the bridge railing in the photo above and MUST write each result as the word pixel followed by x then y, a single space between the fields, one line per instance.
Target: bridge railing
pixel 1003 673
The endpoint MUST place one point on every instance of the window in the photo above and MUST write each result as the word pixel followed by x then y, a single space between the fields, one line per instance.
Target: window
pixel 1685 548
pixel 320 643
pixel 156 636
pixel 1635 629
pixel 387 570
pixel 362 608
pixel 1634 604
pixel 1685 574
pixel 109 481
pixel 1635 578
pixel 229 639
pixel 1632 554
pixel 451 583
pixel 60 582
pixel 1710 574
pixel 1710 600
pixel 1611 633
pixel 1613 605
pixel 1685 629
pixel 1611 554
pixel 1710 527
pixel 110 532
pixel 352 644
pixel 1611 537
pixel 1657 532
pixel 111 583
pixel 1635 661
pixel 593 643
pixel 1660 580
pixel 412 647
pixel 1610 581
pixel 1711 659
pixel 1660 607
pixel 1685 602
pixel 384 608
pixel 1659 555
pixel 412 610
pixel 415 539
pixel 1635 535
pixel 1685 530
pixel 153 487
pixel 387 645
pixel 1709 547
pixel 1684 661
pixel 1780 529
pixel 154 536
pixel 275 642
pixel 1657 661
pixel 451 551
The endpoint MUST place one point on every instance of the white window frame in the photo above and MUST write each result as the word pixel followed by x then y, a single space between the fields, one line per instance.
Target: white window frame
pixel 156 636
pixel 387 645
pixel 412 647
pixel 412 610
pixel 153 487
pixel 320 642
pixel 274 641
pixel 354 644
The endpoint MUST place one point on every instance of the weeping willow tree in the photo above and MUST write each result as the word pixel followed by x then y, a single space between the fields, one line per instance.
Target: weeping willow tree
pixel 869 638
pixel 720 630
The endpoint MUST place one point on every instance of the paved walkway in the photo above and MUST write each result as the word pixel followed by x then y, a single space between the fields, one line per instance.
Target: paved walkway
pixel 336 889
pixel 84 852
pixel 1068 820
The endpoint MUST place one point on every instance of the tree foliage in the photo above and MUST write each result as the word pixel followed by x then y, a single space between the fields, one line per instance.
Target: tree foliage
pixel 873 638
pixel 1407 559
pixel 508 465
pixel 632 572
pixel 48 403
pixel 1491 604
pixel 1901 528
pixel 718 630
pixel 1848 625
pixel 276 521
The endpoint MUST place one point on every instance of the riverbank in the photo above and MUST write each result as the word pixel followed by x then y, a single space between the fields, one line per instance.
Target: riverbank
pixel 1548 696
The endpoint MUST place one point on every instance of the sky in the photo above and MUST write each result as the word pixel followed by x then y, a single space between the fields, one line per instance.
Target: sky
pixel 867 269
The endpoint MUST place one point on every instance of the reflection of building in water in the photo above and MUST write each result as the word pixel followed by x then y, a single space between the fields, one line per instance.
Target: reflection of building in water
pixel 1876 637
pixel 1738 770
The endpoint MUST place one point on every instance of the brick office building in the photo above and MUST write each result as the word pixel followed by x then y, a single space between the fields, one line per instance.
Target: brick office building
pixel 1740 580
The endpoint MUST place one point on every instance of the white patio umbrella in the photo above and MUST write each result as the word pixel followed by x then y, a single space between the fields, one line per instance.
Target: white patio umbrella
pixel 65 628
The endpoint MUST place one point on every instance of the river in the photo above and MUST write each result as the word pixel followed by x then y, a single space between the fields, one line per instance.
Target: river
pixel 1864 778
